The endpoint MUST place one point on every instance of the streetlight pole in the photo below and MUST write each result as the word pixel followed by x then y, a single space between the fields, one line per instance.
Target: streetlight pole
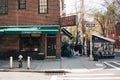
pixel 91 46
pixel 91 42
pixel 85 44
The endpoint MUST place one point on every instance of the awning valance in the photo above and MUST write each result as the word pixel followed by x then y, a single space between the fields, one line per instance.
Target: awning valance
pixel 1 32
pixel 29 30
pixel 67 33
pixel 96 38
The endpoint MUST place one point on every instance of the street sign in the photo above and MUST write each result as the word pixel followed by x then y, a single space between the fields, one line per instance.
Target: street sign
pixel 90 25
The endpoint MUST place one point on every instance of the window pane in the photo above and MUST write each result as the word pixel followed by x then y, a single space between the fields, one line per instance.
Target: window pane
pixel 43 6
pixel 2 9
pixel 22 1
pixel 3 6
pixel 22 4
pixel 3 2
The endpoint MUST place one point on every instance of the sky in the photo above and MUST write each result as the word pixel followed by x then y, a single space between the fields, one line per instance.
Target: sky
pixel 88 4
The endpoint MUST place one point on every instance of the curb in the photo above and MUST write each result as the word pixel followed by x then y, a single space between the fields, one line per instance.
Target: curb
pixel 36 71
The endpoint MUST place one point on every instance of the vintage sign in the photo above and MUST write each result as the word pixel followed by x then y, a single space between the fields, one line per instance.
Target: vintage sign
pixel 68 21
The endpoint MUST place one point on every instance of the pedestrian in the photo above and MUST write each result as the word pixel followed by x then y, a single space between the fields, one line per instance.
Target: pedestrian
pixel 72 49
pixel 80 46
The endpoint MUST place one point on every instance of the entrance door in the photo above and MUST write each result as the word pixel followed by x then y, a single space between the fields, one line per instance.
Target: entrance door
pixel 51 47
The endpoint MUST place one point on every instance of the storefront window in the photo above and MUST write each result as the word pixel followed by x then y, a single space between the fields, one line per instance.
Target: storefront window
pixel 31 43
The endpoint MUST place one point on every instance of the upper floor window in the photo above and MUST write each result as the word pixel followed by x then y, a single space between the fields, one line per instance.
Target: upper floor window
pixel 3 6
pixel 22 4
pixel 43 6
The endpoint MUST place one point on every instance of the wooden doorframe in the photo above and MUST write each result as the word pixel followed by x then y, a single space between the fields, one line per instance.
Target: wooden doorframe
pixel 47 46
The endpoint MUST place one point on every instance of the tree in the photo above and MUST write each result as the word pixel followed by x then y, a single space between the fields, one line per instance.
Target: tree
pixel 101 19
pixel 107 17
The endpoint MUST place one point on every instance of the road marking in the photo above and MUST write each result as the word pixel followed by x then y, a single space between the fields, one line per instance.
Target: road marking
pixel 116 62
pixel 80 75
pixel 101 76
pixel 111 65
pixel 77 70
pixel 90 78
pixel 53 78
pixel 99 64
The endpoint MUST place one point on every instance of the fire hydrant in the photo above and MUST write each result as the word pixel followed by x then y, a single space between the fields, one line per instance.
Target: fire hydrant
pixel 20 60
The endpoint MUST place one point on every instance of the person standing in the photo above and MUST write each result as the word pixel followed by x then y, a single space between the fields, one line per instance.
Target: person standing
pixel 80 48
pixel 72 49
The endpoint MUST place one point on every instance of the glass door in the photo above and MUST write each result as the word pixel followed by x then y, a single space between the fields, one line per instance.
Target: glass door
pixel 51 47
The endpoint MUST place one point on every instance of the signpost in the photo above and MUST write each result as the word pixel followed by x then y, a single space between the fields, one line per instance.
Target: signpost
pixel 91 44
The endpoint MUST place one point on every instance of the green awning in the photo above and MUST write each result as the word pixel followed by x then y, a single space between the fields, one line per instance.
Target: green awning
pixel 1 32
pixel 29 30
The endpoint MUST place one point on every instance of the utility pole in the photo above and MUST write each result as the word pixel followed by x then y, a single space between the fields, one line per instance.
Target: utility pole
pixel 82 17
pixel 83 41
pixel 80 21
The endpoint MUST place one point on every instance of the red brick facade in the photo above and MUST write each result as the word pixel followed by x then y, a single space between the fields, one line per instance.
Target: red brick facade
pixel 9 42
pixel 30 15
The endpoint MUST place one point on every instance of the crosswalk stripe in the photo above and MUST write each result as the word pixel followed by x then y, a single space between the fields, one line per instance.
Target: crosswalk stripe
pixel 111 65
pixel 87 76
pixel 102 74
pixel 116 62
pixel 90 78
pixel 53 78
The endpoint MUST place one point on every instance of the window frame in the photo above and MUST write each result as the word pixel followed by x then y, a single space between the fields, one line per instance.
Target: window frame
pixel 4 6
pixel 42 5
pixel 20 4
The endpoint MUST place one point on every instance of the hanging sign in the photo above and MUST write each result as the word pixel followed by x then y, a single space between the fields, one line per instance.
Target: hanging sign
pixel 68 21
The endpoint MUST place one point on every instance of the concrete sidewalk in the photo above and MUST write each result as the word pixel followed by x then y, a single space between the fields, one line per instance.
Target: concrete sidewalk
pixel 76 62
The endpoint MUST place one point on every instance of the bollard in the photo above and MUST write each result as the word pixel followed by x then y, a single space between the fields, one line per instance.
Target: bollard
pixel 11 62
pixel 28 62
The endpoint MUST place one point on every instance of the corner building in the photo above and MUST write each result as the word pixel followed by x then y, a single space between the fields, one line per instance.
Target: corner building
pixel 29 27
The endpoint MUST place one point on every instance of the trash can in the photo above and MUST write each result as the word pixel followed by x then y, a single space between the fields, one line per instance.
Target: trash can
pixel 41 56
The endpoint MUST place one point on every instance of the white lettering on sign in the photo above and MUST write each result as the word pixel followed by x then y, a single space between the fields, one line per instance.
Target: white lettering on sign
pixel 90 25
pixel 31 32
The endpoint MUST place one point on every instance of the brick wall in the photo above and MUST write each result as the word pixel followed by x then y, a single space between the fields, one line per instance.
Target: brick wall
pixel 9 42
pixel 30 15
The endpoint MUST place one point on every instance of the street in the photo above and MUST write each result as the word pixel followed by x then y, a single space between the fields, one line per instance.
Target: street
pixel 76 68
pixel 23 76
pixel 91 75
pixel 73 75
pixel 111 63
pixel 59 39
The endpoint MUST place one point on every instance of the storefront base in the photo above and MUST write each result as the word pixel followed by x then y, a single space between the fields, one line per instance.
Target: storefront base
pixel 29 45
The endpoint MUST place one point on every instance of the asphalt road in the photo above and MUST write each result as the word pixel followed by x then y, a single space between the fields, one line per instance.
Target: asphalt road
pixel 91 74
